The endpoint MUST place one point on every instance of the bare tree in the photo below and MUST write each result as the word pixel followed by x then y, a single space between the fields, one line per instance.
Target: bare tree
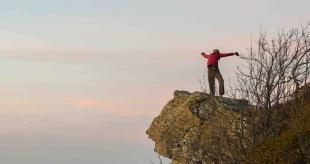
pixel 275 70
pixel 160 160
pixel 270 80
pixel 203 82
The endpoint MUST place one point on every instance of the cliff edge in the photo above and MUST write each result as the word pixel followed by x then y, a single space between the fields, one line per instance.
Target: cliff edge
pixel 192 127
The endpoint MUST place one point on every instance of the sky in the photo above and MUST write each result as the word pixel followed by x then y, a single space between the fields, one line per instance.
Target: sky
pixel 82 80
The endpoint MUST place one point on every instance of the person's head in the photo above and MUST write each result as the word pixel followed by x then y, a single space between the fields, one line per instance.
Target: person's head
pixel 216 51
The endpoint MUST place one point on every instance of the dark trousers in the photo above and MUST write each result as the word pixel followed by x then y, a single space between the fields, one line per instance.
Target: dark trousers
pixel 214 72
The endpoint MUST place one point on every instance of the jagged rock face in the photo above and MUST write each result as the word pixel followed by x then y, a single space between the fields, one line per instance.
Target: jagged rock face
pixel 191 127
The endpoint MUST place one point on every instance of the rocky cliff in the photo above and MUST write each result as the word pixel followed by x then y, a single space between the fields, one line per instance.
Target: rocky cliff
pixel 195 127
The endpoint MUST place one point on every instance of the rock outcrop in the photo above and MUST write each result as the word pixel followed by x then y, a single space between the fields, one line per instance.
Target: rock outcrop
pixel 197 128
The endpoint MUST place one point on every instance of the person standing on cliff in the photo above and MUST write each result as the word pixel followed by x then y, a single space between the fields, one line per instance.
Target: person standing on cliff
pixel 213 70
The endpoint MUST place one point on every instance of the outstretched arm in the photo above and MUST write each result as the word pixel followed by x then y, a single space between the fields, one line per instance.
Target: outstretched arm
pixel 229 54
pixel 204 55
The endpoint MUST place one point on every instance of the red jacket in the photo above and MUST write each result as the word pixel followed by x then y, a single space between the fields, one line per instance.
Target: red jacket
pixel 213 58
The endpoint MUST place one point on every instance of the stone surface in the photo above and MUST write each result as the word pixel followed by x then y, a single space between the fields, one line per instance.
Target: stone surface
pixel 190 126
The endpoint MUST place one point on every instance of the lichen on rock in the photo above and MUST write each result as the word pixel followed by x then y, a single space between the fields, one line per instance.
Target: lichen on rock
pixel 191 127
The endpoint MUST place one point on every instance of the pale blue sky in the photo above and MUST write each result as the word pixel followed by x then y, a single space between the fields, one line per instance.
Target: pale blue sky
pixel 81 80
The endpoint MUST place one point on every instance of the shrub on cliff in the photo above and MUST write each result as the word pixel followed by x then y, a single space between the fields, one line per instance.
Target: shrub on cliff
pixel 292 146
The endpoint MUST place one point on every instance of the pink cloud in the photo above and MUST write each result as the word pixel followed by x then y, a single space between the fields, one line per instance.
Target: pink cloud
pixel 89 103
pixel 125 108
